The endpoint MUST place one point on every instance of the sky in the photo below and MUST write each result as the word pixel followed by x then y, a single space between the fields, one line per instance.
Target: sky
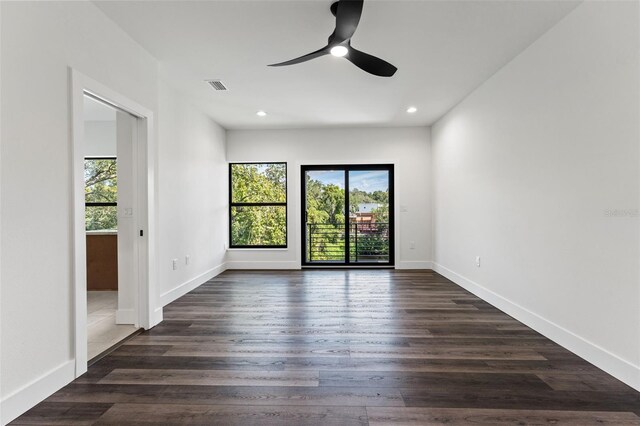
pixel 364 180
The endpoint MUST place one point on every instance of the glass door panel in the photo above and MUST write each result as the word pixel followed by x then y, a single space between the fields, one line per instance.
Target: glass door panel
pixel 369 236
pixel 325 216
pixel 347 215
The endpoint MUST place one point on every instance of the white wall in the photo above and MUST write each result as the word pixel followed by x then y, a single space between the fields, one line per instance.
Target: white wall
pixel 100 138
pixel 192 195
pixel 408 148
pixel 526 172
pixel 36 181
pixel 99 129
pixel 36 252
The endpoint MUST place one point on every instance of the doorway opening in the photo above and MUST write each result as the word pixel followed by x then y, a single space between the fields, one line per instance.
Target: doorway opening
pixel 135 207
pixel 348 215
pixel 109 144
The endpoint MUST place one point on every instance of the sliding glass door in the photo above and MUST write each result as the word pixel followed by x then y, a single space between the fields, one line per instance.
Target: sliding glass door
pixel 347 214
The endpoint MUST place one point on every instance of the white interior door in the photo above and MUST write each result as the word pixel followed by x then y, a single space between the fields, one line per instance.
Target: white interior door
pixel 127 219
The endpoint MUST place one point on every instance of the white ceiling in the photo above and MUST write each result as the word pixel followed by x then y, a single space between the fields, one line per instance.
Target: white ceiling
pixel 443 50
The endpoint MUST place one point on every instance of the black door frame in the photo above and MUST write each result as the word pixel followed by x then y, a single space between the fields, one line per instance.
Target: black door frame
pixel 347 168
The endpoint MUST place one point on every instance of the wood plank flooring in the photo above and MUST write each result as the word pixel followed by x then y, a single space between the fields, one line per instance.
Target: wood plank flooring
pixel 332 347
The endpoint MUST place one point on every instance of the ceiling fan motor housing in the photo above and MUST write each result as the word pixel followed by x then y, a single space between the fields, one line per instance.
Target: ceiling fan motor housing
pixel 347 13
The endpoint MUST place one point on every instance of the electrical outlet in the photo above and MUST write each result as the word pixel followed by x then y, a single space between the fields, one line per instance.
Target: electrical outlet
pixel 478 261
pixel 175 264
pixel 412 245
pixel 187 259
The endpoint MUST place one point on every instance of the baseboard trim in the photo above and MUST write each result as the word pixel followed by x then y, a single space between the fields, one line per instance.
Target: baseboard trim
pixel 293 265
pixel 414 264
pixel 262 264
pixel 186 287
pixel 598 356
pixel 126 316
pixel 18 402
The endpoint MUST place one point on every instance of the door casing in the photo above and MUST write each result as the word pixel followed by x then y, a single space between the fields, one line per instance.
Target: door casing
pixel 148 314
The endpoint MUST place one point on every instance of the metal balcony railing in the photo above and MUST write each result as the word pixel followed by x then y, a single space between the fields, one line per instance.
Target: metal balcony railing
pixel 368 242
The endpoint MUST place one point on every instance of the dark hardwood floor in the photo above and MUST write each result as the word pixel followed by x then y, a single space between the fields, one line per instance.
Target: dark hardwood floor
pixel 377 347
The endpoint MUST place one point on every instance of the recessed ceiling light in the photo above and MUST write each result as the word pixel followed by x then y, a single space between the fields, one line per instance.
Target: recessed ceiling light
pixel 339 51
pixel 261 113
pixel 411 110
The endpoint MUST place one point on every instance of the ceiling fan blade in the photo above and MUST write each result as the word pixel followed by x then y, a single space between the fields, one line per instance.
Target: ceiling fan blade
pixel 370 64
pixel 304 58
pixel 347 19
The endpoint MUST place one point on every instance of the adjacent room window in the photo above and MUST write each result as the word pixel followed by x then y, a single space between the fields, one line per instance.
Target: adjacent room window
pixel 101 194
pixel 258 205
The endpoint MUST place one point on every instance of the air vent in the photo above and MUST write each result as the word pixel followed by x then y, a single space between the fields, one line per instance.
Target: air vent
pixel 217 84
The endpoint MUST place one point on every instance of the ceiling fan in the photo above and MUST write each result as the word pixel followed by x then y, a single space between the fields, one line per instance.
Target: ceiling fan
pixel 347 13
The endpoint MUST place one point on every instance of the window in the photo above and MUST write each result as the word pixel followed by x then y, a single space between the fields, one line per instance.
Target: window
pixel 258 205
pixel 100 194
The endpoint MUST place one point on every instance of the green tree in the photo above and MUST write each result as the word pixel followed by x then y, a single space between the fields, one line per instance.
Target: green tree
pixel 101 186
pixel 381 213
pixel 258 225
pixel 326 222
pixel 357 197
pixel 101 180
pixel 381 197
